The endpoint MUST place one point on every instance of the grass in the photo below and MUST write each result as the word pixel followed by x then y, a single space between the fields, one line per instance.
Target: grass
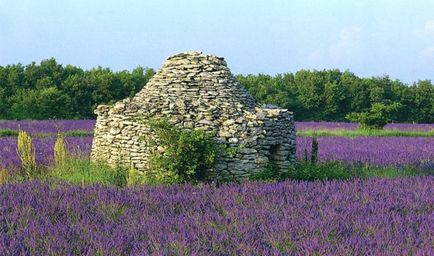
pixel 82 171
pixel 308 171
pixel 75 170
pixel 364 133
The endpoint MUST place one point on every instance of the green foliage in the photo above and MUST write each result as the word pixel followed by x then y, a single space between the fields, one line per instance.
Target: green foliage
pixel 231 151
pixel 52 91
pixel 182 156
pixel 324 171
pixel 377 117
pixel 269 173
pixel 134 177
pixel 330 95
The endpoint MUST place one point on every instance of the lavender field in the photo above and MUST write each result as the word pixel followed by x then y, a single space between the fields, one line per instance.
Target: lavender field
pixel 52 126
pixel 384 151
pixel 48 126
pixel 373 216
pixel 360 217
pixel 378 151
pixel 352 126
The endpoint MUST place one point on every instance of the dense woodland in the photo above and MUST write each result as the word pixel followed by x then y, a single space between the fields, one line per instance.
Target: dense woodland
pixel 50 90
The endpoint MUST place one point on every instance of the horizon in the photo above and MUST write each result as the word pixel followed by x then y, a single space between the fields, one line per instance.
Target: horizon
pixel 369 39
pixel 244 74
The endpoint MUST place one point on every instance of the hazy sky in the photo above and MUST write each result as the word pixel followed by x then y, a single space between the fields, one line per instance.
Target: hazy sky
pixel 369 38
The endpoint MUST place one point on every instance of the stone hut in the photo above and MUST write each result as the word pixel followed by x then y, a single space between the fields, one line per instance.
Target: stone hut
pixel 196 91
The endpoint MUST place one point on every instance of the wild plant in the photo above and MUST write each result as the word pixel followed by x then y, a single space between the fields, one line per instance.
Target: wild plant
pixel 26 153
pixel 60 151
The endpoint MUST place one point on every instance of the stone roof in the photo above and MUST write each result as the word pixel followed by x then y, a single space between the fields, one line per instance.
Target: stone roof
pixel 194 83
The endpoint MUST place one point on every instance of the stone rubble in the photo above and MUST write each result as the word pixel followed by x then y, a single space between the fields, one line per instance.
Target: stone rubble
pixel 196 91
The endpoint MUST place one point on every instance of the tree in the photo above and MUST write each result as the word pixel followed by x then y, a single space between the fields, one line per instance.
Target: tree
pixel 376 118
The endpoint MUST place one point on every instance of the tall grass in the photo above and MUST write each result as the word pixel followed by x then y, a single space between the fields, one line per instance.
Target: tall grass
pixel 81 171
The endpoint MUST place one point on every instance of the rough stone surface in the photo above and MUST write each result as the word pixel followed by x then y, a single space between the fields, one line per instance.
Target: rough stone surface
pixel 196 91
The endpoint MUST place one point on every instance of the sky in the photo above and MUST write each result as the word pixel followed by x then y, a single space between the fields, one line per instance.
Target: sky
pixel 368 38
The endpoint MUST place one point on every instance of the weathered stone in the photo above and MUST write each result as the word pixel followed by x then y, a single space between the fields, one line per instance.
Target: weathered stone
pixel 196 91
pixel 233 140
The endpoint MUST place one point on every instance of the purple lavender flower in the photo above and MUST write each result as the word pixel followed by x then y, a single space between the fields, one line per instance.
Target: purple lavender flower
pixel 360 217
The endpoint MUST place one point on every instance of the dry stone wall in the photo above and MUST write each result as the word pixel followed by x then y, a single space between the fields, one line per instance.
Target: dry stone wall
pixel 196 91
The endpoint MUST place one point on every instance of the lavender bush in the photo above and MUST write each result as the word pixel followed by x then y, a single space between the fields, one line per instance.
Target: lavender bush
pixel 361 217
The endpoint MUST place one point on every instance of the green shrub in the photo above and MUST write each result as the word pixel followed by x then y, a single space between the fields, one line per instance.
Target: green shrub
pixel 8 132
pixel 182 155
pixel 269 173
pixel 322 171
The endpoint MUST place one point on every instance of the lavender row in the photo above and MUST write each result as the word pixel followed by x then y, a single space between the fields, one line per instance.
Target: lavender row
pixel 44 149
pixel 353 126
pixel 52 126
pixel 382 151
pixel 371 217
pixel 48 126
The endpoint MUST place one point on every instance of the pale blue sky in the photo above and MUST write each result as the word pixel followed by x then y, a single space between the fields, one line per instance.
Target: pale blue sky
pixel 369 38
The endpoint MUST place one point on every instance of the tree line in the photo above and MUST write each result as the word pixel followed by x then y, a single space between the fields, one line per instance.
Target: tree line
pixel 52 91
pixel 333 95
pixel 49 90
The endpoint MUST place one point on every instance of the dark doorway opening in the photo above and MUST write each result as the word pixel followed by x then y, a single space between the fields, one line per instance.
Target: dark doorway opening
pixel 274 153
